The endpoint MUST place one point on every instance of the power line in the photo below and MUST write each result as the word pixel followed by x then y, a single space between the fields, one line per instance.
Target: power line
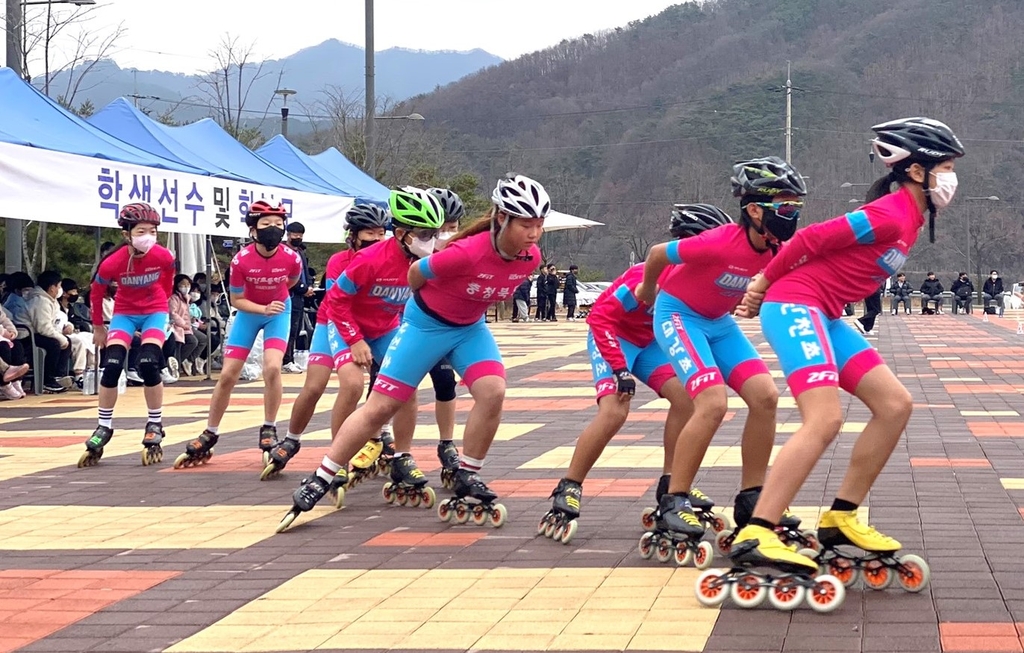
pixel 620 144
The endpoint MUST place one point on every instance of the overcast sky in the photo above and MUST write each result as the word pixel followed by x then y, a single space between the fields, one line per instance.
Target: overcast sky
pixel 176 35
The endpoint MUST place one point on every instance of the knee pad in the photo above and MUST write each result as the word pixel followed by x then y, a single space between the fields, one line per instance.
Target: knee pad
pixel 113 365
pixel 151 361
pixel 443 378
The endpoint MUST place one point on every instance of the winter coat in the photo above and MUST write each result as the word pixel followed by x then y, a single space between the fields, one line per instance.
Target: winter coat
pixel 181 319
pixel 931 287
pixel 43 314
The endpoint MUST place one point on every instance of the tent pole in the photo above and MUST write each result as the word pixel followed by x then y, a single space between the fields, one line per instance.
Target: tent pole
pixel 209 308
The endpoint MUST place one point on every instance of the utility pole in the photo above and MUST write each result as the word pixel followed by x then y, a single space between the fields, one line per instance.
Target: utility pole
pixel 789 113
pixel 368 124
pixel 15 227
pixel 284 92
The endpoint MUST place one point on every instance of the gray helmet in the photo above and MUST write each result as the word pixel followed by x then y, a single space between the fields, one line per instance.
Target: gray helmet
pixel 454 209
pixel 366 216
pixel 767 176
pixel 692 219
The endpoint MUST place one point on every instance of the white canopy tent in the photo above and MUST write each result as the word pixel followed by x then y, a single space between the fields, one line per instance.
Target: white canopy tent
pixel 557 221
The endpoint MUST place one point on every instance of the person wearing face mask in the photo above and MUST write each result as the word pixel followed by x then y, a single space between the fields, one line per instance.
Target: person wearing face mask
pixel 183 344
pixel 143 271
pixel 260 276
pixel 82 349
pixel 993 291
pixel 963 294
pixel 299 292
pixel 803 291
pixel 452 290
pixel 366 225
pixel 43 313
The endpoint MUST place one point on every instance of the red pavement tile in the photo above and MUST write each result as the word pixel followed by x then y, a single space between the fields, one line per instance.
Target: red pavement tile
pixel 560 376
pixel 8 644
pixel 408 539
pixel 38 443
pixel 594 487
pixel 979 637
pixel 627 438
pixel 982 389
pixel 950 462
pixel 996 429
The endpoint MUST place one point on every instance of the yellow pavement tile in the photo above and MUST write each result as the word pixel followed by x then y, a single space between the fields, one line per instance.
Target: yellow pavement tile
pixel 583 642
pixel 471 600
pixel 367 627
pixel 636 457
pixel 221 638
pixel 848 427
pixel 1012 483
pixel 515 641
pixel 667 642
pixel 543 627
pixel 589 625
pixel 384 639
pixel 989 413
pixel 300 636
pixel 574 367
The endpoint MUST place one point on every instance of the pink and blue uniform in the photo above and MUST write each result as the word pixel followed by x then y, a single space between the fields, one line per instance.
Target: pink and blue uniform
pixel 320 347
pixel 692 314
pixel 446 316
pixel 366 302
pixel 144 287
pixel 262 279
pixel 824 267
pixel 622 337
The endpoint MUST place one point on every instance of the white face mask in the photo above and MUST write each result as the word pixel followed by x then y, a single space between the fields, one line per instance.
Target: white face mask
pixel 60 292
pixel 422 248
pixel 943 188
pixel 194 296
pixel 183 290
pixel 445 236
pixel 995 276
pixel 143 243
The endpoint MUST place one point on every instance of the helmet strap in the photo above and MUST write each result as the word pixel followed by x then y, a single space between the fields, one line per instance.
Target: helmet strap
pixel 497 231
pixel 928 202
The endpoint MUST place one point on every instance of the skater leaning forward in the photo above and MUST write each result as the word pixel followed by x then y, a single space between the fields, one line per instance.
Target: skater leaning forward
pixel 452 291
pixel 804 290
pixel 144 273
pixel 261 275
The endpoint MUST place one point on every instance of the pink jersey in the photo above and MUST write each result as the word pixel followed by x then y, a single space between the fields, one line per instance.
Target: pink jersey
pixel 467 276
pixel 618 314
pixel 711 271
pixel 335 266
pixel 845 259
pixel 262 279
pixel 368 299
pixel 144 284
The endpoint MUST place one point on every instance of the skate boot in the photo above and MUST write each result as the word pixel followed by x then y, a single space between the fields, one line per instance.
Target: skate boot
pixel 839 531
pixel 559 523
pixel 279 457
pixel 310 491
pixel 677 534
pixel 387 452
pixel 448 454
pixel 702 507
pixel 472 500
pixel 788 528
pixel 365 463
pixel 408 485
pixel 94 446
pixel 198 451
pixel 650 516
pixel 754 547
pixel 153 452
pixel 268 440
pixel 336 491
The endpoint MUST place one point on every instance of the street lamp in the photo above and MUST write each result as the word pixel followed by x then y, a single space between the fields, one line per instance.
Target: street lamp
pixel 411 116
pixel 851 184
pixel 970 238
pixel 284 92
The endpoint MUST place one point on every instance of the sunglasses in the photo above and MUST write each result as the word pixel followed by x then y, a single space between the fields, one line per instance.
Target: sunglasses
pixel 424 234
pixel 789 210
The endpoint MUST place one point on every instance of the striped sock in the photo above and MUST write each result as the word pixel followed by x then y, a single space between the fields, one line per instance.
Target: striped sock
pixel 471 464
pixel 107 417
pixel 327 469
pixel 156 415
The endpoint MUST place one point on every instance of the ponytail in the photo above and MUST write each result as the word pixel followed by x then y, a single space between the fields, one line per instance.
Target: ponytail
pixel 881 187
pixel 478 226
pixel 96 273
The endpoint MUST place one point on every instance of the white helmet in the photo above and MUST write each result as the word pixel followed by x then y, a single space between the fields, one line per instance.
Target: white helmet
pixel 521 197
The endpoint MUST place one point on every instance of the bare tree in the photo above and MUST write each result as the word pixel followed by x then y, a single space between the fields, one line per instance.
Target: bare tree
pixel 228 85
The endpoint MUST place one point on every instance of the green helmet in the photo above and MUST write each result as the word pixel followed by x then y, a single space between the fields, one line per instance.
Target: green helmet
pixel 413 208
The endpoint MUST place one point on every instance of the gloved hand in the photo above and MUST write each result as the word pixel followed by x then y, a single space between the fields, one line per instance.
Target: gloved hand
pixel 625 383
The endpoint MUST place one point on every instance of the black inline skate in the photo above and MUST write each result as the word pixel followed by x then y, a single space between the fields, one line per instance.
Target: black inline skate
pixel 677 535
pixel 268 440
pixel 94 446
pixel 153 452
pixel 474 501
pixel 448 454
pixel 559 523
pixel 279 457
pixel 408 485
pixel 198 451
pixel 788 528
pixel 308 494
pixel 702 508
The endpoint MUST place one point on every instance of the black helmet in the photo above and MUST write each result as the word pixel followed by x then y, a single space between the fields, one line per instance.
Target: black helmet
pixel 766 176
pixel 366 216
pixel 454 210
pixel 692 219
pixel 917 140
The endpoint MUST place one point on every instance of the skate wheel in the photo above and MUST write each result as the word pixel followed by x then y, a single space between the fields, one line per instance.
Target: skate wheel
pixel 499 515
pixel 876 575
pixel 461 513
pixel 86 460
pixel 914 574
pixel 339 498
pixel 413 499
pixel 268 472
pixel 720 523
pixel 443 511
pixel 748 592
pixel 388 492
pixel 811 540
pixel 287 521
pixel 549 529
pixel 786 594
pixel 808 553
pixel 145 458
pixel 570 531
pixel 703 556
pixel 181 461
pixel 647 519
pixel 559 531
pixel 683 555
pixel 827 594
pixel 266 458
pixel 712 588
pixel 401 498
pixel 542 525
pixel 646 546
pixel 663 552
pixel 723 542
pixel 478 516
pixel 842 569
pixel 428 497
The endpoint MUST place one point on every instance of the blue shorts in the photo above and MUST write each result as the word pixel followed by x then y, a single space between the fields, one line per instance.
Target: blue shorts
pixel 320 348
pixel 422 341
pixel 814 350
pixel 647 364
pixel 246 326
pixel 704 352
pixel 342 355
pixel 123 327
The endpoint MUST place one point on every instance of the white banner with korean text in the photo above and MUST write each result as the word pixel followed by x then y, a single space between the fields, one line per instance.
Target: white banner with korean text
pixel 63 188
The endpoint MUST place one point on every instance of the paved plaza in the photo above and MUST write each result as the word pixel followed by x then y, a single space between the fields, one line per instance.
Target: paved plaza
pixel 122 557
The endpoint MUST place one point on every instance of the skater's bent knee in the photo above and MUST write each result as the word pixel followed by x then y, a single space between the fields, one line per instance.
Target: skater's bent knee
pixel 896 407
pixel 711 405
pixel 613 409
pixel 825 423
pixel 765 401
pixel 113 365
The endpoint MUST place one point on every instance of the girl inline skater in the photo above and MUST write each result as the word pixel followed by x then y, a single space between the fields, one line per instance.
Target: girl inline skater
pixel 261 275
pixel 144 273
pixel 451 292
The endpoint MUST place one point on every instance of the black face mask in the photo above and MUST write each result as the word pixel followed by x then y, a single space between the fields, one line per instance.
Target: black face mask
pixel 363 244
pixel 72 299
pixel 295 242
pixel 778 226
pixel 269 237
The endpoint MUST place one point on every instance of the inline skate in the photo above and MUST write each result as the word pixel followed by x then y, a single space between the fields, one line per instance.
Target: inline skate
pixel 279 457
pixel 408 485
pixel 793 577
pixel 788 528
pixel 559 523
pixel 94 446
pixel 677 535
pixel 448 454
pixel 473 501
pixel 198 451
pixel 308 494
pixel 877 566
pixel 153 452
pixel 268 440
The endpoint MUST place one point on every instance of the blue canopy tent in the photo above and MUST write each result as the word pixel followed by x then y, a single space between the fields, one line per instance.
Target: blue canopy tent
pixel 340 167
pixel 286 156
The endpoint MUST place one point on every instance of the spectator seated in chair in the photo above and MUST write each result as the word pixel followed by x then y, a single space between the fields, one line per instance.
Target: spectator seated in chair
pixel 963 294
pixel 931 292
pixel 901 292
pixel 992 292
